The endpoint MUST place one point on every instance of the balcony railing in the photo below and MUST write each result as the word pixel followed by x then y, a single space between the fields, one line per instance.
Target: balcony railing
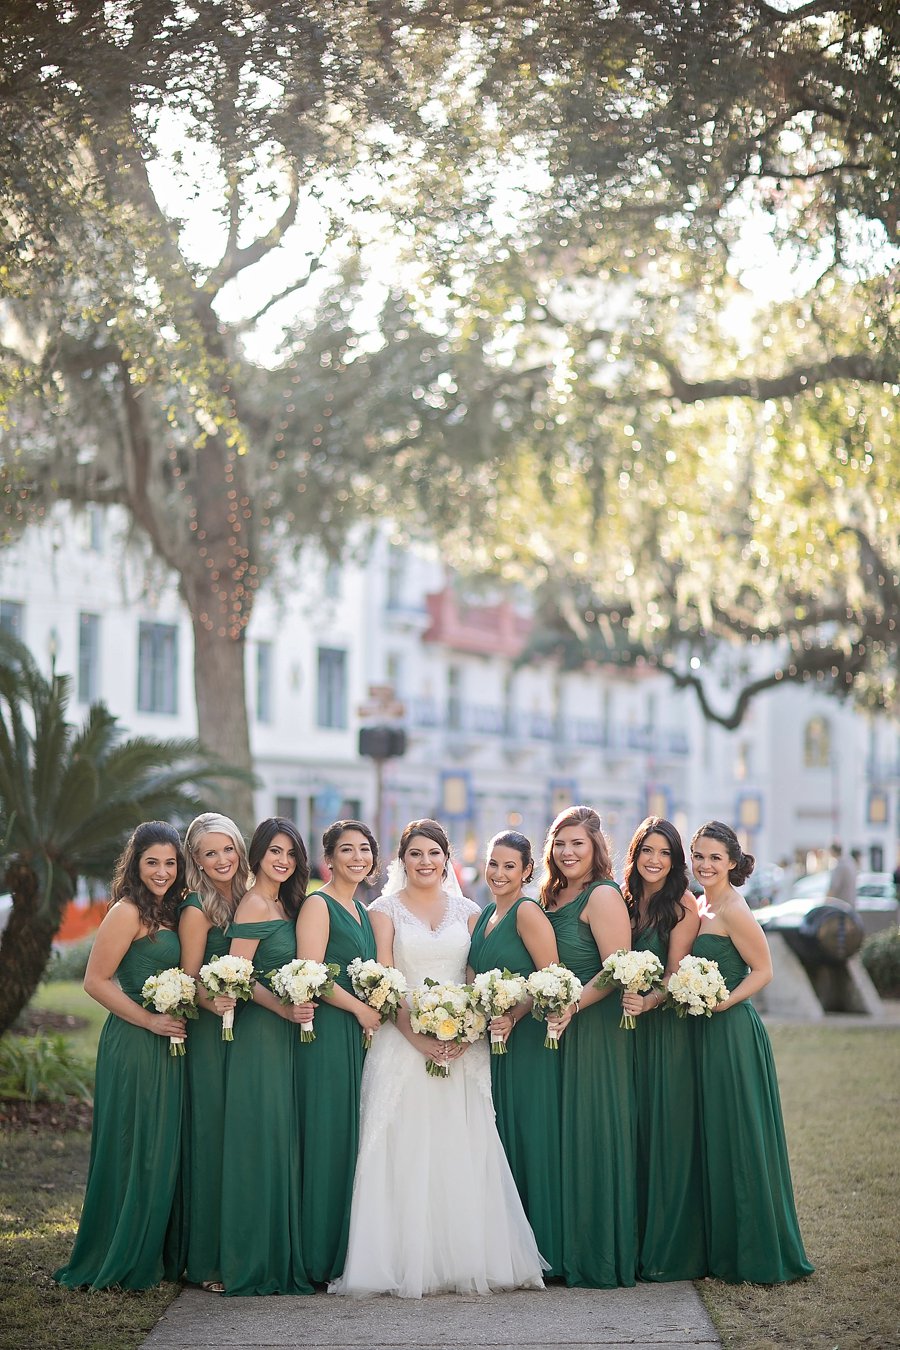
pixel 455 717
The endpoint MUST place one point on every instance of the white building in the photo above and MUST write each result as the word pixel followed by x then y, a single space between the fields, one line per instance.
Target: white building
pixel 492 743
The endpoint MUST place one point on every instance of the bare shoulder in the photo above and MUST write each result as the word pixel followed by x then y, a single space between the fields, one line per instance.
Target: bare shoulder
pixel 607 899
pixel 254 908
pixel 531 917
pixel 122 919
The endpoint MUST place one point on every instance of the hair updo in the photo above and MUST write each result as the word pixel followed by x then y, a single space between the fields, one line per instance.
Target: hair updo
pixel 332 836
pixel 429 829
pixel 744 863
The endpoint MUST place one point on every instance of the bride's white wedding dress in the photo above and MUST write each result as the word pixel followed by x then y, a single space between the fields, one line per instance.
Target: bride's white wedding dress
pixel 435 1208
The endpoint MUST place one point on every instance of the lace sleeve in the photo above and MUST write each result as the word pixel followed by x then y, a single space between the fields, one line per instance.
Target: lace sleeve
pixel 464 907
pixel 385 904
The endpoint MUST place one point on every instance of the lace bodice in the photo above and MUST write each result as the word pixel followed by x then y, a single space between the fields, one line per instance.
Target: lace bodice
pixel 419 951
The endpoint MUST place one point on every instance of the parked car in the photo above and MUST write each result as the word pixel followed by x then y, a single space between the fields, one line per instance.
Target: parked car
pixel 876 901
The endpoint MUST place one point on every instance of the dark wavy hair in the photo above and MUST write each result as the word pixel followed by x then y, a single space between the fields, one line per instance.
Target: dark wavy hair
pixel 331 839
pixel 522 845
pixel 127 885
pixel 292 891
pixel 554 882
pixel 724 834
pixel 666 907
pixel 431 830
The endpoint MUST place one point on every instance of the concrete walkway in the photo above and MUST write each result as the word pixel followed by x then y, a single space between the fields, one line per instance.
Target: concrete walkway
pixel 646 1318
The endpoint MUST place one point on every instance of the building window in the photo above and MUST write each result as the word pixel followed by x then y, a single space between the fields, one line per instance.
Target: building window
pixel 332 691
pixel 264 677
pixel 454 699
pixel 157 668
pixel 88 658
pixel 393 672
pixel 817 743
pixel 286 808
pixel 12 615
pixel 332 581
pixel 396 575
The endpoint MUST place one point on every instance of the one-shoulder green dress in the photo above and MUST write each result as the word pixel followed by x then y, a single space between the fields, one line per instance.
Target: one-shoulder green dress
pixel 204 1123
pixel 135 1141
pixel 598 1121
pixel 751 1224
pixel 329 1075
pixel 525 1084
pixel 260 1247
pixel 671 1237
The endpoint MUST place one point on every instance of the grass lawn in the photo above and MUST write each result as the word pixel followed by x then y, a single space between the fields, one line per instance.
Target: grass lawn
pixel 66 998
pixel 840 1090
pixel 841 1093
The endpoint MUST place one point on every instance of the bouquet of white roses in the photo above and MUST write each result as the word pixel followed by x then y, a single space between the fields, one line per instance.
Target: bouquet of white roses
pixel 448 1012
pixel 496 991
pixel 301 981
pixel 172 992
pixel 553 989
pixel 381 987
pixel 635 972
pixel 697 987
pixel 231 976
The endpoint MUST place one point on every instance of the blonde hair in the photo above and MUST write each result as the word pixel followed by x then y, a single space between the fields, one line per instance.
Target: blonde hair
pixel 214 905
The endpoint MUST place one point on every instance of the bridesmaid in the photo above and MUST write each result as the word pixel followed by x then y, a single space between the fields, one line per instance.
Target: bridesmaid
pixel 590 919
pixel 136 1133
pixel 751 1223
pixel 665 921
pixel 261 1251
pixel 216 873
pixel 513 933
pixel 334 927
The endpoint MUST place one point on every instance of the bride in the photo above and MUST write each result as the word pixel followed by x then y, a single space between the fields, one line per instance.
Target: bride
pixel 435 1208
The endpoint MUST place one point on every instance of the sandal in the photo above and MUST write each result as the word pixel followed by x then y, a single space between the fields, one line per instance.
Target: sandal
pixel 213 1287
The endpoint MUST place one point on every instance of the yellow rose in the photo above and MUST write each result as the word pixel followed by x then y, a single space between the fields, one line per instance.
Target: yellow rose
pixel 446 1029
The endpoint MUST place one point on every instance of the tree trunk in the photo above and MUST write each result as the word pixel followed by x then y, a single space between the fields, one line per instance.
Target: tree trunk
pixel 220 689
pixel 25 946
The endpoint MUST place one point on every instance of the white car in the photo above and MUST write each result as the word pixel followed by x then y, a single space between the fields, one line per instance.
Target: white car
pixel 876 901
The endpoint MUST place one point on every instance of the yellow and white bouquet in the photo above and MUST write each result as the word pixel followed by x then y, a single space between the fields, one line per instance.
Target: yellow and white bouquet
pixel 381 987
pixel 301 981
pixel 553 989
pixel 171 991
pixel 496 992
pixel 447 1012
pixel 696 987
pixel 635 973
pixel 231 976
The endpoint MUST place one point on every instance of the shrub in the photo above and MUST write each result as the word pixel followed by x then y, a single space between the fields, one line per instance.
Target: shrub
pixel 69 962
pixel 42 1068
pixel 881 957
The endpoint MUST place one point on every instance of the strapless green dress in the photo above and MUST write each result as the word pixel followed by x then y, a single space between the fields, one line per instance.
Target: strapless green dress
pixel 260 1245
pixel 328 1078
pixel 672 1244
pixel 204 1121
pixel 752 1231
pixel 598 1122
pixel 135 1141
pixel 525 1084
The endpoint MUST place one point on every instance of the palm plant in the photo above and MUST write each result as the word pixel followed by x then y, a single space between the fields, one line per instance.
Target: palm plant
pixel 69 798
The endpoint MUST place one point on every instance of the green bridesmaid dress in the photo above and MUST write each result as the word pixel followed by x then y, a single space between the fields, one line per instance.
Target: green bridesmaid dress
pixel 751 1223
pixel 204 1122
pixel 260 1249
pixel 135 1141
pixel 672 1243
pixel 328 1078
pixel 525 1083
pixel 598 1121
